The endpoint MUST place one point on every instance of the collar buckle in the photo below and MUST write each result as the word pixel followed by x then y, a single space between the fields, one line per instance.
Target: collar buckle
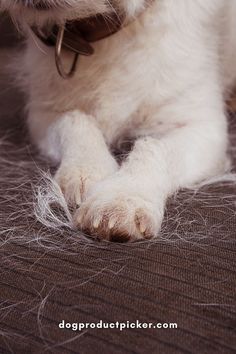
pixel 77 45
pixel 58 53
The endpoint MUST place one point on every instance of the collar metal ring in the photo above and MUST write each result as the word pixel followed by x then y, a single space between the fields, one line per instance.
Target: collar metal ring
pixel 58 54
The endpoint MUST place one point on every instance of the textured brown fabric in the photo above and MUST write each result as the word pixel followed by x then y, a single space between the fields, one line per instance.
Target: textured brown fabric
pixel 48 275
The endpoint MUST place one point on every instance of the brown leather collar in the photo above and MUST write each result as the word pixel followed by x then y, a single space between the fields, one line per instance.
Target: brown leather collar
pixel 77 35
pixel 80 33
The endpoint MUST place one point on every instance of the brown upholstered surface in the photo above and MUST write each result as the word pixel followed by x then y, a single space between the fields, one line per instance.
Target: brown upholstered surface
pixel 47 275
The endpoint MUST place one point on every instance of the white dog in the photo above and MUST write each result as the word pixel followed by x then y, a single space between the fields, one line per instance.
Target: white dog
pixel 160 73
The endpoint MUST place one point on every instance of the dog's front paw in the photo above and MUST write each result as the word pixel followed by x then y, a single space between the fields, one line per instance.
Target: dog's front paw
pixel 119 212
pixel 75 181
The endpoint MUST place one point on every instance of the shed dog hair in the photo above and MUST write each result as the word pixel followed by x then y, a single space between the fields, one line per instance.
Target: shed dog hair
pixel 161 80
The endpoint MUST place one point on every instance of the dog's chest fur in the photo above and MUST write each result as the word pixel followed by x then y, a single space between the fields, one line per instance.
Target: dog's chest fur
pixel 141 66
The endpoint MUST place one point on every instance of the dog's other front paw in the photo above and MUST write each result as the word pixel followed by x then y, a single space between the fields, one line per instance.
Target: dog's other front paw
pixel 116 211
pixel 75 181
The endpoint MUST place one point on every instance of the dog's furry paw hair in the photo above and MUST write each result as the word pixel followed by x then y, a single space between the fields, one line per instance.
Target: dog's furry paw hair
pixel 75 181
pixel 116 211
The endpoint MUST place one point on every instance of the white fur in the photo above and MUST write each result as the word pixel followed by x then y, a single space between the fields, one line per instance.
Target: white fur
pixel 163 79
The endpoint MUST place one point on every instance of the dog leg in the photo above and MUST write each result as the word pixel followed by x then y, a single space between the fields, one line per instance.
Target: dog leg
pixel 80 148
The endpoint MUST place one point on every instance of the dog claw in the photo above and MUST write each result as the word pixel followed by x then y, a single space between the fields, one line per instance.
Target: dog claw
pixel 142 228
pixel 111 223
pixel 79 218
pixel 96 223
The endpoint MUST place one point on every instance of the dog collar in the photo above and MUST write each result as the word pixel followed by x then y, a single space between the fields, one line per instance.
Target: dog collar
pixel 77 36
